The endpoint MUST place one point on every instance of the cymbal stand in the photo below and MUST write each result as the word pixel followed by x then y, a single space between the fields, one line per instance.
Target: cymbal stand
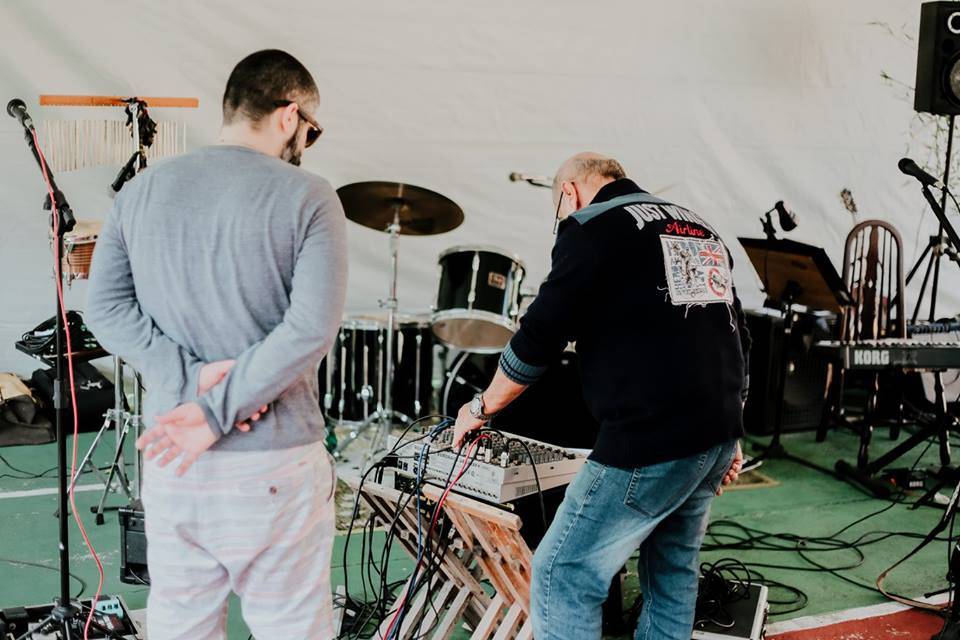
pixel 122 421
pixel 384 415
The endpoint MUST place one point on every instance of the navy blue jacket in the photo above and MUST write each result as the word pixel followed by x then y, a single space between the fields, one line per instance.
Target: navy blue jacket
pixel 644 288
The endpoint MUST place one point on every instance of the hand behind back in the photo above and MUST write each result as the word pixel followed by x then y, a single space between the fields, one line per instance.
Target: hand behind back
pixel 184 430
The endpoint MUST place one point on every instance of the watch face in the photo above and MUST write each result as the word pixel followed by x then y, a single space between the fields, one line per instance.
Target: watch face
pixel 476 407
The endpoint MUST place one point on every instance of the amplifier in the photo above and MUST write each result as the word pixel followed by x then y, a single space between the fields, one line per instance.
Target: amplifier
pixel 806 371
pixel 133 545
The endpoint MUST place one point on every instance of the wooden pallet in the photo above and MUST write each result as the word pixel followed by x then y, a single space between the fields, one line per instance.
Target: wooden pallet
pixel 486 547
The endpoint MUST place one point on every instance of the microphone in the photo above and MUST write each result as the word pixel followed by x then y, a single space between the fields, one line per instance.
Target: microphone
pixel 523 177
pixel 16 108
pixel 910 168
pixel 788 219
pixel 128 171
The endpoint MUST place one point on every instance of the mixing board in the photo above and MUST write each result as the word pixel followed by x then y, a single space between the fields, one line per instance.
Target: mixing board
pixel 502 470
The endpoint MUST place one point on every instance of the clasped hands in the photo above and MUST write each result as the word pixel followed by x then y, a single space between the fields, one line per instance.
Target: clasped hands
pixel 184 431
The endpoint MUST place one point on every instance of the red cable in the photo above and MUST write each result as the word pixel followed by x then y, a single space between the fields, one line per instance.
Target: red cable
pixel 433 522
pixel 73 389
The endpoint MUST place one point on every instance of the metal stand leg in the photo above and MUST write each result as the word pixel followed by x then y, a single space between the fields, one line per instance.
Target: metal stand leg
pixel 115 470
pixel 87 459
pixel 122 420
pixel 136 421
pixel 384 418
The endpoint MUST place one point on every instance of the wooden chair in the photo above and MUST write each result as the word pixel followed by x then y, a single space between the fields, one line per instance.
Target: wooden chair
pixel 873 273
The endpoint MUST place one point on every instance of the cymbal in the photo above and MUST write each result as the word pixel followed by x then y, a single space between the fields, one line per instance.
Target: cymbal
pixel 421 212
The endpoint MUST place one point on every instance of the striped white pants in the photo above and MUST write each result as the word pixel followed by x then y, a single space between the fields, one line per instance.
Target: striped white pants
pixel 257 523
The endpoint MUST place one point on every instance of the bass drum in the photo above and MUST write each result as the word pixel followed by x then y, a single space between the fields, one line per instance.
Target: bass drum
pixel 353 375
pixel 551 410
pixel 351 378
pixel 478 298
pixel 413 366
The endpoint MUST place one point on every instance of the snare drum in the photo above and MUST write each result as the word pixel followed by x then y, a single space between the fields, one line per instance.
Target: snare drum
pixel 478 300
pixel 78 246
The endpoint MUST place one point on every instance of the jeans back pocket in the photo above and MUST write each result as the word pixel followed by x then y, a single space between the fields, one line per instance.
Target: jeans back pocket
pixel 657 489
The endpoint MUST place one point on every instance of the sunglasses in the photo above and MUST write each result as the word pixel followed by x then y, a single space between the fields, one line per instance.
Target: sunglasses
pixel 313 129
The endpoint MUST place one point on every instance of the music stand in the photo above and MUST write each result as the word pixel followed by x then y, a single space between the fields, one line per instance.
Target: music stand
pixel 793 273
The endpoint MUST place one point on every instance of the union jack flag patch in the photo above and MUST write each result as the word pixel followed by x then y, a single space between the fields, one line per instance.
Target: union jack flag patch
pixel 698 270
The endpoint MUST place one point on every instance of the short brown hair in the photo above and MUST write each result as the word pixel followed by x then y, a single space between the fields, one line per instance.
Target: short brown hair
pixel 263 78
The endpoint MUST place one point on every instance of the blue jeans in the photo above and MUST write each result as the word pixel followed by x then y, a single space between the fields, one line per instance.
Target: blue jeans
pixel 606 514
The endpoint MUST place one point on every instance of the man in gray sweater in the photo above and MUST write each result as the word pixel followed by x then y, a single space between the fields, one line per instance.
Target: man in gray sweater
pixel 220 276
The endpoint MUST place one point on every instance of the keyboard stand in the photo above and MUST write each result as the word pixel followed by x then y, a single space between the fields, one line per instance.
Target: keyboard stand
pixel 940 426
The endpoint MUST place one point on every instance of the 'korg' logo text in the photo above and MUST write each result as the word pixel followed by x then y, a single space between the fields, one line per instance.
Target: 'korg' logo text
pixel 871 357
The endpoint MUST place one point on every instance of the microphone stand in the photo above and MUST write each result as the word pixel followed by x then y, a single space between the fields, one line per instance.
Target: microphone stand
pixel 537 183
pixel 63 611
pixel 935 245
pixel 768 229
pixel 532 181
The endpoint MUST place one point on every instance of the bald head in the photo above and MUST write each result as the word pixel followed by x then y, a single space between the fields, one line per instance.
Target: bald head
pixel 579 179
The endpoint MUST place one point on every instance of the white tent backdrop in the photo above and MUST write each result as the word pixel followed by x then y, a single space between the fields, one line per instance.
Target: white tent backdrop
pixel 731 105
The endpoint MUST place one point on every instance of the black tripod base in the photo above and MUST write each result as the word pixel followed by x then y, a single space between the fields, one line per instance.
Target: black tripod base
pixel 62 614
pixel 60 621
pixel 67 621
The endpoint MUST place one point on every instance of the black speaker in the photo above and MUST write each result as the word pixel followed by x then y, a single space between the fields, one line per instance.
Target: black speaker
pixel 94 395
pixel 803 394
pixel 938 59
pixel 133 545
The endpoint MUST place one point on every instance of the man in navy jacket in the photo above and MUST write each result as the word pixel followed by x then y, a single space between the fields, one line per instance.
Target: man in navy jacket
pixel 644 288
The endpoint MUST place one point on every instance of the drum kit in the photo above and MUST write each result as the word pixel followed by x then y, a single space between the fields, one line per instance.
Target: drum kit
pixel 477 309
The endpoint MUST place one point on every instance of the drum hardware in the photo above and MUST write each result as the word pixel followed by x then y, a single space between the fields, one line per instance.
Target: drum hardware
pixel 478 298
pixel 417 406
pixel 398 209
pixel 453 376
pixel 123 421
pixel 343 378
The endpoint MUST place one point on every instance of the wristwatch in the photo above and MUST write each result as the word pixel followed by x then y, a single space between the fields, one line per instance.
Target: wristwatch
pixel 477 408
